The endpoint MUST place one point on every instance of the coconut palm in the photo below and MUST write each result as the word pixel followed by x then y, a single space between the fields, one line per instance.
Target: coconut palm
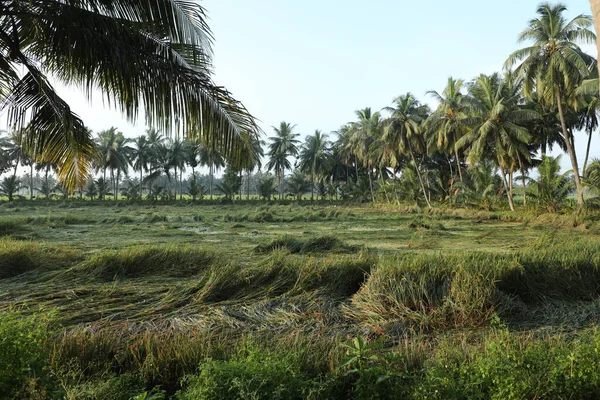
pixel 551 188
pixel 342 149
pixel 498 130
pixel 314 157
pixel 266 187
pixel 210 157
pixel 283 145
pixel 9 186
pixel 367 129
pixel 248 158
pixel 450 121
pixel 114 156
pixel 554 65
pixel 195 188
pixel 297 184
pixel 178 156
pixel 166 72
pixel 141 157
pixel 403 128
pixel 589 107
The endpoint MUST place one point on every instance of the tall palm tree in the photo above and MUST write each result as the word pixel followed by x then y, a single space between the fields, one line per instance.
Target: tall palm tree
pixel 554 65
pixel 283 145
pixel 192 154
pixel 342 148
pixel 450 121
pixel 140 153
pixel 314 157
pixel 403 128
pixel 166 72
pixel 114 155
pixel 177 154
pixel 248 158
pixel 210 157
pixel 499 128
pixel 367 129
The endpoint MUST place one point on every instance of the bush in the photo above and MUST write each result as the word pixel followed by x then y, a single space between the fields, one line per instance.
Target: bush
pixel 24 352
pixel 256 375
pixel 515 368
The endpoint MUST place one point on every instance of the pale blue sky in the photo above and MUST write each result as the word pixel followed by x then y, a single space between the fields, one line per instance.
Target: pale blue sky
pixel 312 63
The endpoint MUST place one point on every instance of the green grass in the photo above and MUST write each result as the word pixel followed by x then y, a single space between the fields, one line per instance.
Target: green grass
pixel 143 294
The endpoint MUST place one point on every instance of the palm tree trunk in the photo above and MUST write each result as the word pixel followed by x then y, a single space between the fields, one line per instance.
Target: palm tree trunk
pixel 458 165
pixel 210 172
pixel 524 182
pixel 507 190
pixel 31 181
pixel 412 154
pixel 371 184
pixel 112 180
pixel 180 185
pixel 46 183
pixel 356 167
pixel 570 150
pixel 248 185
pixel 312 185
pixel 117 185
pixel 587 153
pixel 141 182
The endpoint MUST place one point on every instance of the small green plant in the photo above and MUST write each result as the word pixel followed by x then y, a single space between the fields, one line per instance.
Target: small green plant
pixel 24 351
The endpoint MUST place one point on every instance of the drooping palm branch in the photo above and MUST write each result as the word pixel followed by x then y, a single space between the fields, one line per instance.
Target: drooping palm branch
pixel 150 56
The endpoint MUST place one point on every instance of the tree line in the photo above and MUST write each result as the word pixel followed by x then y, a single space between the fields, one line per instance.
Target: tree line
pixel 482 140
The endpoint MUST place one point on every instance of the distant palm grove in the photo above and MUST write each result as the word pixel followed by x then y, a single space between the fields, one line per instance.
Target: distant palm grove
pixel 484 145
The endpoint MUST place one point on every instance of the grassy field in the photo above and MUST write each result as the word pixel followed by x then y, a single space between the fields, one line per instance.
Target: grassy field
pixel 331 301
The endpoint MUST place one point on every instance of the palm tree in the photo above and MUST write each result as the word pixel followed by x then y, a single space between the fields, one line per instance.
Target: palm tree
pixel 140 153
pixel 166 73
pixel 297 184
pixel 178 156
pixel 342 149
pixel 114 155
pixel 364 132
pixel 554 65
pixel 9 186
pixel 314 157
pixel 450 121
pixel 551 188
pixel 213 159
pixel 283 145
pixel 403 128
pixel 266 187
pixel 248 158
pixel 498 127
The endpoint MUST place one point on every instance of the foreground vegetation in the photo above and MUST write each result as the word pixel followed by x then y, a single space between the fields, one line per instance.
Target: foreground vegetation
pixel 288 301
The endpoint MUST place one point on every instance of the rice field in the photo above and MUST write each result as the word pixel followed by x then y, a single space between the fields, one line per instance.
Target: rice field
pixel 163 299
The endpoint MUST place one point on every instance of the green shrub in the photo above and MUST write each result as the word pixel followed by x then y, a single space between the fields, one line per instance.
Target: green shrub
pixel 24 352
pixel 515 368
pixel 256 375
pixel 123 387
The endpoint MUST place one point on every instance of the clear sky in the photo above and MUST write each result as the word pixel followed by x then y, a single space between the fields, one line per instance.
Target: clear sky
pixel 312 63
